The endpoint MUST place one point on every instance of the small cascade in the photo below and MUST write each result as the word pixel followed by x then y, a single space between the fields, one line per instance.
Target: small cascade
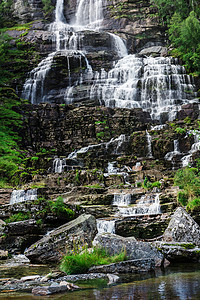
pixel 158 127
pixel 147 205
pixel 119 45
pixel 157 85
pixel 104 226
pixel 59 165
pixel 149 145
pixel 170 155
pixel 114 145
pixel 187 159
pixel 122 200
pixel 22 195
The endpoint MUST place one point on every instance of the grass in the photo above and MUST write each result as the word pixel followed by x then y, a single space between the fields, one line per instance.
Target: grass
pixel 77 263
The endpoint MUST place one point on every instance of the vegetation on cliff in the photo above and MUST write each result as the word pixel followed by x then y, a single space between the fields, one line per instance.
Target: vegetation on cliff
pixel 182 19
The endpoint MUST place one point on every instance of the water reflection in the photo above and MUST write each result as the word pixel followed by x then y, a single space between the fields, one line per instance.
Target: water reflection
pixel 176 282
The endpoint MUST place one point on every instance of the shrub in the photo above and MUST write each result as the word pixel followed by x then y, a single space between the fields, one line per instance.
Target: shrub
pixel 18 217
pixel 59 208
pixel 77 263
pixel 183 197
pixel 193 204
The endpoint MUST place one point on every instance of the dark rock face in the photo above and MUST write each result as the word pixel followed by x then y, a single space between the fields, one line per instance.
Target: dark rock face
pixel 129 266
pixel 50 248
pixel 179 252
pixel 146 227
pixel 66 128
pixel 182 228
pixel 134 249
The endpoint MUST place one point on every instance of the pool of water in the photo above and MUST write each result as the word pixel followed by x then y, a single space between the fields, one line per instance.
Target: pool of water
pixel 175 282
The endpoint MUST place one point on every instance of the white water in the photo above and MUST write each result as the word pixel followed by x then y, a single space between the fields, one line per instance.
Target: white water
pixel 149 146
pixel 105 226
pixel 156 85
pixel 68 40
pixel 170 155
pixel 59 165
pixel 187 159
pixel 114 144
pixel 22 195
pixel 147 205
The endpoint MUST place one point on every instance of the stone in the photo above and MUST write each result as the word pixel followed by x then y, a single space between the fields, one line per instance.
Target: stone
pixel 29 278
pixel 156 50
pixel 53 288
pixel 52 247
pixel 179 252
pixel 22 227
pixel 3 254
pixel 182 228
pixel 134 249
pixel 129 266
pixel 112 278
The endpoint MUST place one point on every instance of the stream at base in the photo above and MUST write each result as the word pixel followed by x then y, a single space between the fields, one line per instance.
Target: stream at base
pixel 180 281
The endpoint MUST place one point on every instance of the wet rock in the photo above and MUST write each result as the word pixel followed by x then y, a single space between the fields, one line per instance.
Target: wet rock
pixel 156 50
pixel 51 248
pixel 22 227
pixel 112 278
pixel 129 266
pixel 182 228
pixel 3 254
pixel 184 252
pixel 54 288
pixel 29 278
pixel 134 249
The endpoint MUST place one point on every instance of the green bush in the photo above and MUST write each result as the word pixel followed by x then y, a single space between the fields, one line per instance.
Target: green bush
pixel 59 208
pixel 18 217
pixel 183 197
pixel 77 263
pixel 193 204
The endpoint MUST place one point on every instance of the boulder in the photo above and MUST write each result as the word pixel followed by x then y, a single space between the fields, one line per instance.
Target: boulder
pixel 3 254
pixel 129 266
pixel 156 50
pixel 22 227
pixel 185 252
pixel 182 228
pixel 51 248
pixel 134 249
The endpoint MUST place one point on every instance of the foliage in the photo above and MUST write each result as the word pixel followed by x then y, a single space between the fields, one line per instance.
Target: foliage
pixel 182 19
pixel 188 181
pixel 47 7
pixel 59 208
pixel 76 262
pixel 150 185
pixel 18 217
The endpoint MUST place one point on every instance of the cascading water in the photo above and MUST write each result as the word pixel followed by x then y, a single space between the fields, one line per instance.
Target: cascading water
pixel 59 165
pixel 187 159
pixel 114 145
pixel 147 205
pixel 170 155
pixel 157 85
pixel 22 195
pixel 149 146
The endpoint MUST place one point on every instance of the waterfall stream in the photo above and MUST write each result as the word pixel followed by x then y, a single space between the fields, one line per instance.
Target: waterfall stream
pixel 158 85
pixel 22 195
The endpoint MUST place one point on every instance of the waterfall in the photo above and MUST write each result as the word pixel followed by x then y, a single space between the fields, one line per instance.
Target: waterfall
pixel 147 205
pixel 170 155
pixel 114 145
pixel 105 226
pixel 22 195
pixel 158 85
pixel 59 164
pixel 122 200
pixel 187 159
pixel 149 146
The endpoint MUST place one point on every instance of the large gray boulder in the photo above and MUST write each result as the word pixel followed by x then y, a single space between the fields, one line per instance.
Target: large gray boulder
pixel 134 249
pixel 51 247
pixel 182 228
